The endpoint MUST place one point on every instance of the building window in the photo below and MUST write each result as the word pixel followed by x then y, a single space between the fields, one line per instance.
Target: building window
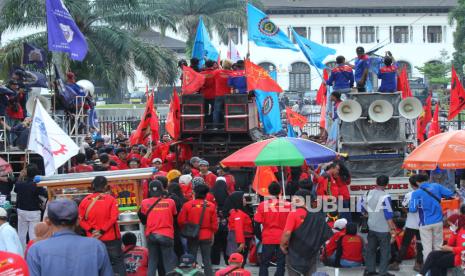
pixel 333 35
pixel 403 64
pixel 367 34
pixel 235 35
pixel 302 31
pixel 434 34
pixel 401 34
pixel 299 77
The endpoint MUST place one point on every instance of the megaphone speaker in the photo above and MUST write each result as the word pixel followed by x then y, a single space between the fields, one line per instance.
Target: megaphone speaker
pixel 380 111
pixel 410 108
pixel 349 111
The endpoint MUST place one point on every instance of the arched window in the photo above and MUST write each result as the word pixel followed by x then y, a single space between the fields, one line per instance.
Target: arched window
pixel 299 77
pixel 270 68
pixel 401 65
pixel 329 66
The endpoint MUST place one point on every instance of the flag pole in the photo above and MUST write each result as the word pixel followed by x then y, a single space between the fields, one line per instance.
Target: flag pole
pixel 247 21
pixel 32 116
pixel 282 180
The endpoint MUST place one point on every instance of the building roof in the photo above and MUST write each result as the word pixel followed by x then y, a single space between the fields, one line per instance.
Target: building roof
pixel 357 6
pixel 156 38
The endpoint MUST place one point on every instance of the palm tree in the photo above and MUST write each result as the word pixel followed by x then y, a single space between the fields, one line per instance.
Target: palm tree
pixel 218 15
pixel 458 14
pixel 109 27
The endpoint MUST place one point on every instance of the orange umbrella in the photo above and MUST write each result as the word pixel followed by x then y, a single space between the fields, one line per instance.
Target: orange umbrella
pixel 446 150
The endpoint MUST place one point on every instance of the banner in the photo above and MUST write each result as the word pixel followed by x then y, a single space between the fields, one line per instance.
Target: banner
pixel 148 128
pixel 295 119
pixel 258 78
pixel 268 111
pixel 434 127
pixel 191 81
pixel 457 96
pixel 264 176
pixel 173 120
pixel 50 141
pixel 423 120
pixel 403 83
pixel 203 47
pixel 63 33
pixel 34 55
pixel 314 52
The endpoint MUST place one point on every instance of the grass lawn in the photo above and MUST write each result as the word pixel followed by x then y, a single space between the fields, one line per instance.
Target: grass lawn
pixel 121 106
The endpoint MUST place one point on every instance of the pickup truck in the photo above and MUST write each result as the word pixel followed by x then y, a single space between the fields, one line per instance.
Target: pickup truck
pixel 397 187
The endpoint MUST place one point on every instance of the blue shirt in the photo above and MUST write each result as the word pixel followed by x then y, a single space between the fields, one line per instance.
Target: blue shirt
pixel 342 77
pixel 361 64
pixel 66 253
pixel 238 81
pixel 9 240
pixel 428 208
pixel 388 77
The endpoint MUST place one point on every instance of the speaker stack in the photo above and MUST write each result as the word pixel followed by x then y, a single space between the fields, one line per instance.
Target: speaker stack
pixel 193 113
pixel 236 113
pixel 372 132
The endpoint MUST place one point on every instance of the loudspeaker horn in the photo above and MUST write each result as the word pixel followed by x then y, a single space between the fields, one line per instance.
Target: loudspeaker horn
pixel 349 111
pixel 44 101
pixel 380 111
pixel 410 108
pixel 88 86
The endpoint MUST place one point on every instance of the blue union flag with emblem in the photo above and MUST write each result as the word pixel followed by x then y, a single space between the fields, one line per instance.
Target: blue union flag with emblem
pixel 264 32
pixel 268 111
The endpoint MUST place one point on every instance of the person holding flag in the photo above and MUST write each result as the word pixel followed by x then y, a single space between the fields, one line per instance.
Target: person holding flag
pixel 203 48
pixel 362 67
pixel 342 77
pixel 388 75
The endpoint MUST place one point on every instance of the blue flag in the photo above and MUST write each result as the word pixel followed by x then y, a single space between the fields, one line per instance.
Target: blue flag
pixel 290 131
pixel 34 55
pixel 264 32
pixel 63 33
pixel 269 111
pixel 314 52
pixel 203 47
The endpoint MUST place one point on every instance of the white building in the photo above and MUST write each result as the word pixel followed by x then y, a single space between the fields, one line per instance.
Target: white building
pixel 415 31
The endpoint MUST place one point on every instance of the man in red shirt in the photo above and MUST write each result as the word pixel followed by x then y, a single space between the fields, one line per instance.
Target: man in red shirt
pixel 135 257
pixel 327 185
pixel 195 161
pixel 272 214
pixel 229 178
pixel 221 89
pixel 98 215
pixel 157 163
pixel 235 267
pixel 122 160
pixel 157 214
pixel 81 165
pixel 208 176
pixel 209 89
pixel 191 212
pixel 104 164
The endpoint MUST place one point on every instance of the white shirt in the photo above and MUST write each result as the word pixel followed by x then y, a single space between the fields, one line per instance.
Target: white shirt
pixel 9 240
pixel 413 219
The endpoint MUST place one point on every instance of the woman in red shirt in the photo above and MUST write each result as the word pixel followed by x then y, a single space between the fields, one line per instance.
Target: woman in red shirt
pixel 239 225
pixel 439 261
pixel 343 181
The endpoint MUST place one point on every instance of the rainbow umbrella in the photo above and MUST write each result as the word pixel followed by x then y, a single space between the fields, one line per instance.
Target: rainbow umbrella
pixel 283 151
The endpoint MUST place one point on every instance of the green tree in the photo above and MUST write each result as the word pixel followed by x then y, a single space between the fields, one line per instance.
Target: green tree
pixel 218 15
pixel 437 72
pixel 109 27
pixel 458 15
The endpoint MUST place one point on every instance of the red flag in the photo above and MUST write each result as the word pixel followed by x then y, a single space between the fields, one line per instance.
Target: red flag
pixel 424 119
pixel 173 120
pixel 434 128
pixel 295 119
pixel 263 178
pixel 191 80
pixel 258 78
pixel 148 128
pixel 321 94
pixel 323 115
pixel 403 83
pixel 457 96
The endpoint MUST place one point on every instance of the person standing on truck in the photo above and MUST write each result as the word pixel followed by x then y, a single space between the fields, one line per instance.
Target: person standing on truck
pixel 427 202
pixel 362 65
pixel 342 76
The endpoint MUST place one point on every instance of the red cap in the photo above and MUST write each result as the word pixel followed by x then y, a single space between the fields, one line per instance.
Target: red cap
pixel 236 258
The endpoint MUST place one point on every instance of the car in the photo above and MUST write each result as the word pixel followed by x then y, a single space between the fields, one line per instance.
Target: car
pixel 136 97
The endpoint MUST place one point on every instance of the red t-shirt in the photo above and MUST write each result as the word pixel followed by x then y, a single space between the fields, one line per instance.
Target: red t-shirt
pixel 456 241
pixel 210 179
pixel 236 272
pixel 209 87
pixel 160 220
pixel 80 168
pixel 195 172
pixel 230 183
pixel 331 245
pixel 191 212
pixel 295 219
pixel 136 260
pixel 325 187
pixel 352 247
pixel 12 265
pixel 221 82
pixel 134 155
pixel 272 214
pixel 186 190
pixel 122 164
pixel 241 224
pixel 343 188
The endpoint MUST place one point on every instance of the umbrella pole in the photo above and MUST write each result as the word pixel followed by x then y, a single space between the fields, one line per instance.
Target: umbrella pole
pixel 282 180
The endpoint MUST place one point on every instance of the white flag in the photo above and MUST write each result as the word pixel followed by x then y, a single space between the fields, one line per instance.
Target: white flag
pixel 233 53
pixel 49 140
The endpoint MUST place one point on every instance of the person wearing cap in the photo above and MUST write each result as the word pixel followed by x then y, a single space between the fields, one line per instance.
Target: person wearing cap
pixel 328 255
pixel 362 66
pixel 28 203
pixel 185 181
pixel 200 181
pixel 81 165
pixel 173 176
pixel 187 266
pixel 122 159
pixel 208 176
pixel 157 163
pixel 9 239
pixel 98 216
pixel 158 214
pixel 191 213
pixel 195 162
pixel 65 252
pixel 228 177
pixel 235 267
pixel 99 142
pixel 105 164
pixel 272 215
pixel 135 257
pixel 133 163
pixel 135 152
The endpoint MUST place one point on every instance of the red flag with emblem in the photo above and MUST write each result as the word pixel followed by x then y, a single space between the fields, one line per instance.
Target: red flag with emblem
pixel 173 120
pixel 457 96
pixel 191 80
pixel 263 178
pixel 424 119
pixel 321 94
pixel 295 119
pixel 259 79
pixel 148 128
pixel 434 128
pixel 403 83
